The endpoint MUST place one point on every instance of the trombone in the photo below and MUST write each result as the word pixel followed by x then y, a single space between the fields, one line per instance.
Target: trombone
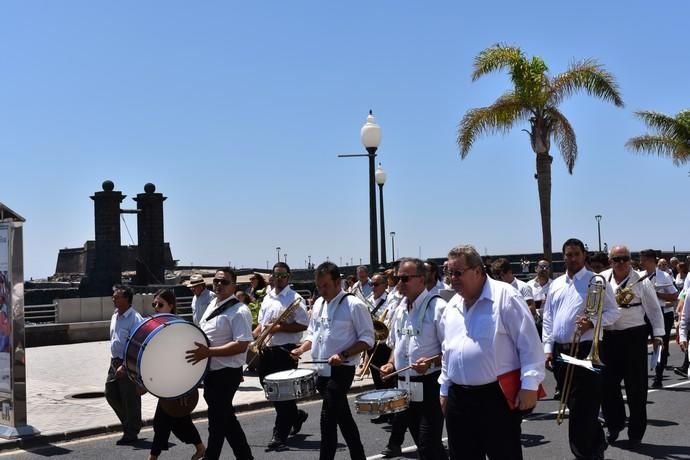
pixel 594 309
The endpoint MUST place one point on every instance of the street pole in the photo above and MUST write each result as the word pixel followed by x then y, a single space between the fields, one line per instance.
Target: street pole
pixel 598 218
pixel 393 245
pixel 381 180
pixel 278 252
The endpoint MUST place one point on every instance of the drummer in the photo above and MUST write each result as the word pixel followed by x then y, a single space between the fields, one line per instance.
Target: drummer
pixel 275 355
pixel 340 329
pixel 416 339
pixel 164 302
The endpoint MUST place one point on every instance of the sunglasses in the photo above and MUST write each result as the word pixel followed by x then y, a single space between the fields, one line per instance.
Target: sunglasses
pixel 281 275
pixel 620 259
pixel 543 266
pixel 458 273
pixel 378 284
pixel 222 281
pixel 406 278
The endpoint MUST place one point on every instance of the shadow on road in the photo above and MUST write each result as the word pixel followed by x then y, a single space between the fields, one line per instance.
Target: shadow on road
pixel 660 451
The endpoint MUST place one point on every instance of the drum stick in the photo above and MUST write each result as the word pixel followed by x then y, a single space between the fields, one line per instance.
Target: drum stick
pixel 392 374
pixel 316 362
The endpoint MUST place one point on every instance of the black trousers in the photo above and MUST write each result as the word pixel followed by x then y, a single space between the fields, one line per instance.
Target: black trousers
pixel 335 412
pixel 219 389
pixel 122 395
pixel 480 424
pixel 425 420
pixel 585 433
pixel 276 359
pixel 625 355
pixel 668 324
pixel 381 355
pixel 163 424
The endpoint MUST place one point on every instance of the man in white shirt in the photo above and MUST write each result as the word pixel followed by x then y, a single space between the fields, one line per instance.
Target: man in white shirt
pixel 122 393
pixel 363 283
pixel 339 330
pixel 275 354
pixel 564 314
pixel 667 295
pixel 433 278
pixel 489 334
pixel 379 302
pixel 227 323
pixel 624 350
pixel 202 296
pixel 416 337
pixel 503 271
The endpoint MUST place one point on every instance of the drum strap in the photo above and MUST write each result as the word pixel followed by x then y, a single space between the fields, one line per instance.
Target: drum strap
pixel 222 308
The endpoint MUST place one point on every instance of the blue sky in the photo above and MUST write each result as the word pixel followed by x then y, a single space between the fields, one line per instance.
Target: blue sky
pixel 237 110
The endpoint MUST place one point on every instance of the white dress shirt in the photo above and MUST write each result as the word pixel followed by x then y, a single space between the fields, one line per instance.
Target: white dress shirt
pixel 684 324
pixel 273 306
pixel 663 284
pixel 121 326
pixel 494 336
pixel 378 304
pixel 200 303
pixel 233 325
pixel 523 288
pixel 337 325
pixel 539 291
pixel 366 288
pixel 565 302
pixel 634 316
pixel 416 333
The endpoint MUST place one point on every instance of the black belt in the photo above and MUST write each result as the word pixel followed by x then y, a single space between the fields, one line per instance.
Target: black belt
pixel 418 378
pixel 486 386
pixel 629 330
pixel 628 305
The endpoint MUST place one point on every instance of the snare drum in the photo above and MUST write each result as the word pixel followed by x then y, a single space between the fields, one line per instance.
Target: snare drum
pixel 155 356
pixel 379 402
pixel 290 384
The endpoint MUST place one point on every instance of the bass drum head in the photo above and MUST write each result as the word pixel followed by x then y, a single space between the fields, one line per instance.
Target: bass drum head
pixel 163 368
pixel 290 374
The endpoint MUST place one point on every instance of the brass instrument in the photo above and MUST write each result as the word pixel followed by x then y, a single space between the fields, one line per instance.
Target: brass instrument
pixel 380 329
pixel 626 295
pixel 259 342
pixel 594 309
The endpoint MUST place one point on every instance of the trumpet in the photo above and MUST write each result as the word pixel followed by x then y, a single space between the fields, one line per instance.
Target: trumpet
pixel 626 295
pixel 594 309
pixel 257 344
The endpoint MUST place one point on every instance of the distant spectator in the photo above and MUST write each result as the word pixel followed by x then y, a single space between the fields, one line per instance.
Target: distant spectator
pixel 679 281
pixel 525 265
pixel 350 283
pixel 662 265
pixel 433 279
pixel 674 265
pixel 598 262
pixel 504 272
pixel 258 283
pixel 487 266
pixel 363 282
pixel 202 296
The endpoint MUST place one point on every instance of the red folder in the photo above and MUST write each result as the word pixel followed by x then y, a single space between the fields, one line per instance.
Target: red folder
pixel 511 384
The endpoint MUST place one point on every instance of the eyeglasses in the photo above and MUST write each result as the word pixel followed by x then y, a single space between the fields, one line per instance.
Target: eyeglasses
pixel 543 266
pixel 458 273
pixel 222 281
pixel 281 275
pixel 406 278
pixel 378 284
pixel 620 259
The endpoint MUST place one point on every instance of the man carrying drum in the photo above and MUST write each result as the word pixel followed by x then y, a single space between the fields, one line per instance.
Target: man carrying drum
pixel 275 354
pixel 416 338
pixel 340 329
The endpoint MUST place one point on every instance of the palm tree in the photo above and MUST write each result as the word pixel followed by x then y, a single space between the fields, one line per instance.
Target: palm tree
pixel 535 98
pixel 672 138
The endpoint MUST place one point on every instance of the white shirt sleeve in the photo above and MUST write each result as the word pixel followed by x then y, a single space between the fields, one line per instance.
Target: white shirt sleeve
pixel 547 324
pixel 685 320
pixel 518 322
pixel 651 307
pixel 364 326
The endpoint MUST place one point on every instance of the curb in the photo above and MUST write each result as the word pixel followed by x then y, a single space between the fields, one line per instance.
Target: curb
pixel 47 439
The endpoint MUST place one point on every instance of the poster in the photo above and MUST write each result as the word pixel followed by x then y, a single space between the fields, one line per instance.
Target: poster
pixel 5 311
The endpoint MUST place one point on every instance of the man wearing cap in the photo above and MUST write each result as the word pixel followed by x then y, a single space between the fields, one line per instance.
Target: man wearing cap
pixel 202 296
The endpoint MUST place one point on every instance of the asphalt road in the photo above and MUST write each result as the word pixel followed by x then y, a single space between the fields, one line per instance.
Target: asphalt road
pixel 667 434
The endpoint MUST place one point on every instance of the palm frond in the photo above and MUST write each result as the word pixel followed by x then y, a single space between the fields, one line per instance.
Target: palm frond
pixel 496 58
pixel 564 134
pixel 588 76
pixel 498 117
pixel 663 146
pixel 666 125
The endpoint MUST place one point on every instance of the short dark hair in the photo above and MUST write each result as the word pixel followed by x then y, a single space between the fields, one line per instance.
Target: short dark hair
pixel 363 268
pixel 169 296
pixel 574 242
pixel 501 266
pixel 419 265
pixel 126 291
pixel 330 269
pixel 433 268
pixel 600 257
pixel 650 253
pixel 229 271
pixel 281 265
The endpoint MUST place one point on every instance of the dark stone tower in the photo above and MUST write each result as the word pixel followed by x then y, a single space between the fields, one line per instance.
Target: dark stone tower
pixel 151 247
pixel 105 269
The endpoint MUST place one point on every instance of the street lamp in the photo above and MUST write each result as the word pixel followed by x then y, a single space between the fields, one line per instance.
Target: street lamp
pixel 285 258
pixel 393 245
pixel 278 252
pixel 380 180
pixel 598 218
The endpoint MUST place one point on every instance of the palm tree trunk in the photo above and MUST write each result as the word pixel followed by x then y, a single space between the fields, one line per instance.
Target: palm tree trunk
pixel 544 186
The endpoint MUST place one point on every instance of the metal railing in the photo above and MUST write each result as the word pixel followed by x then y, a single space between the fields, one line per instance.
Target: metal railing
pixel 40 314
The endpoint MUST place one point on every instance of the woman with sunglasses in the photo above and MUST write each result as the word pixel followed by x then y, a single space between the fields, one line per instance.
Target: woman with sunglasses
pixel 164 302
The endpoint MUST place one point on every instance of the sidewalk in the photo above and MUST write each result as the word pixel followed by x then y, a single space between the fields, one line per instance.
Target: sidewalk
pixel 55 373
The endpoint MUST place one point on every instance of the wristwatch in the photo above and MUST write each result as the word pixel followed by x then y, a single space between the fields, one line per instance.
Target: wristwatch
pixel 345 354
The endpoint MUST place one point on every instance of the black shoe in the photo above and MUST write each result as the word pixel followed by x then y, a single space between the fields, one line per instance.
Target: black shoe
pixel 381 419
pixel 126 441
pixel 391 451
pixel 680 371
pixel 276 443
pixel 612 436
pixel 657 383
pixel 557 395
pixel 633 443
pixel 301 418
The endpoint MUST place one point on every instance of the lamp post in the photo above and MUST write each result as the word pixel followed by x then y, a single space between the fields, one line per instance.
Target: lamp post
pixel 285 258
pixel 309 265
pixel 598 218
pixel 278 252
pixel 370 135
pixel 380 176
pixel 393 245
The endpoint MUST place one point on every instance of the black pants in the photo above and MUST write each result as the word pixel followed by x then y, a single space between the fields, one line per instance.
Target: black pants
pixel 668 324
pixel 276 359
pixel 335 412
pixel 480 424
pixel 585 433
pixel 163 424
pixel 381 355
pixel 219 389
pixel 122 395
pixel 425 420
pixel 625 355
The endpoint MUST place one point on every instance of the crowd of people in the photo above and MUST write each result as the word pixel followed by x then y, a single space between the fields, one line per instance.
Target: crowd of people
pixel 468 342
